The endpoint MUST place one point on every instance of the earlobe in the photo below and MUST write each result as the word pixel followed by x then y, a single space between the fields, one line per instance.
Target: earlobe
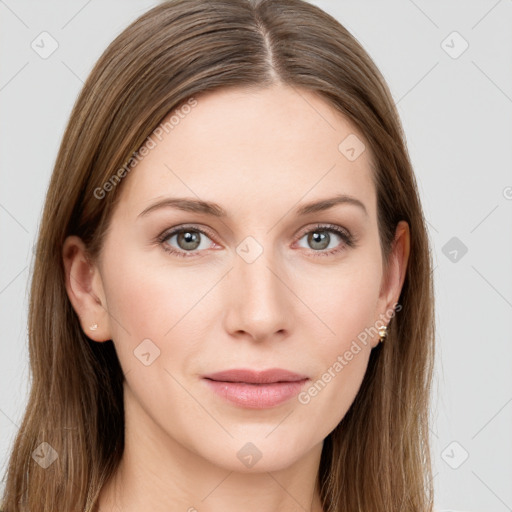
pixel 85 289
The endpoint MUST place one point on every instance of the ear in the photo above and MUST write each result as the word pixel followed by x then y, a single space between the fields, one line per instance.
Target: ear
pixel 85 289
pixel 397 268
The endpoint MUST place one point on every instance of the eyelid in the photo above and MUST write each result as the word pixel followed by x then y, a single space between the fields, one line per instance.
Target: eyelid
pixel 183 227
pixel 324 226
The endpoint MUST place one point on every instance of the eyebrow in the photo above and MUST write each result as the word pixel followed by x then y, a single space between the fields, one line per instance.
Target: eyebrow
pixel 210 208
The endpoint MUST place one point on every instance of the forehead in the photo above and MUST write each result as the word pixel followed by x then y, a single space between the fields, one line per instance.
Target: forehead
pixel 247 149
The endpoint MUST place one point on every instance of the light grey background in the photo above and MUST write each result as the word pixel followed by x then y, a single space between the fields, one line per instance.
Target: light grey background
pixel 456 109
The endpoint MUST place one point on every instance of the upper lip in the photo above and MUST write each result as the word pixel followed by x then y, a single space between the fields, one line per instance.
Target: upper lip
pixel 256 377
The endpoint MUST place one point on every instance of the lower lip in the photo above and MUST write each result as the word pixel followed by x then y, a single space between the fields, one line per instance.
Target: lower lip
pixel 256 396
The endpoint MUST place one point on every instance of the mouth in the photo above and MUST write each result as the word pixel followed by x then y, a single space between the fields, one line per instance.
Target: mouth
pixel 256 390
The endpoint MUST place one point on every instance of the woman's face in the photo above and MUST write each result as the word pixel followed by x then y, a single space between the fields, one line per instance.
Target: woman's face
pixel 262 286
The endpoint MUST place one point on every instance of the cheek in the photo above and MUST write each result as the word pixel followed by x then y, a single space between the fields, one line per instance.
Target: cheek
pixel 146 303
pixel 343 360
pixel 150 329
pixel 347 303
pixel 348 309
pixel 146 292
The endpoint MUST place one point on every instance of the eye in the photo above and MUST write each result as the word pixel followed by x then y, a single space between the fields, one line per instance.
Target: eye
pixel 188 240
pixel 320 237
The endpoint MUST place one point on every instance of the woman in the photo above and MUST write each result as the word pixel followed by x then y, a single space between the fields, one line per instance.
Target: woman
pixel 232 303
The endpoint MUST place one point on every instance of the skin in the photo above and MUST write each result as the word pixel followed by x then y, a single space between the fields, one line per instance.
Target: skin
pixel 259 155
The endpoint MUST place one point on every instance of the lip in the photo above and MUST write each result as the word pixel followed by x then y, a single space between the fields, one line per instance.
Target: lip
pixel 249 376
pixel 256 389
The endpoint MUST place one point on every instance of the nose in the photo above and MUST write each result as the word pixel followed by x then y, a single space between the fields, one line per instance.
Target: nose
pixel 260 304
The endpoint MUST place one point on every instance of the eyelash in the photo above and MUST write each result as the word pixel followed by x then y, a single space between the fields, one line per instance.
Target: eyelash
pixel 348 239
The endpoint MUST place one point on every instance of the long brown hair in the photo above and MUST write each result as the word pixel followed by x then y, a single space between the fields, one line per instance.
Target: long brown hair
pixel 378 457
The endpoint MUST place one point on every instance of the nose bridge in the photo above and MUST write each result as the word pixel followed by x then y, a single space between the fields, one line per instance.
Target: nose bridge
pixel 260 302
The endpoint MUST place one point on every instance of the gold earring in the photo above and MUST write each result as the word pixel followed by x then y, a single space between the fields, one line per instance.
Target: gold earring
pixel 93 327
pixel 383 333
